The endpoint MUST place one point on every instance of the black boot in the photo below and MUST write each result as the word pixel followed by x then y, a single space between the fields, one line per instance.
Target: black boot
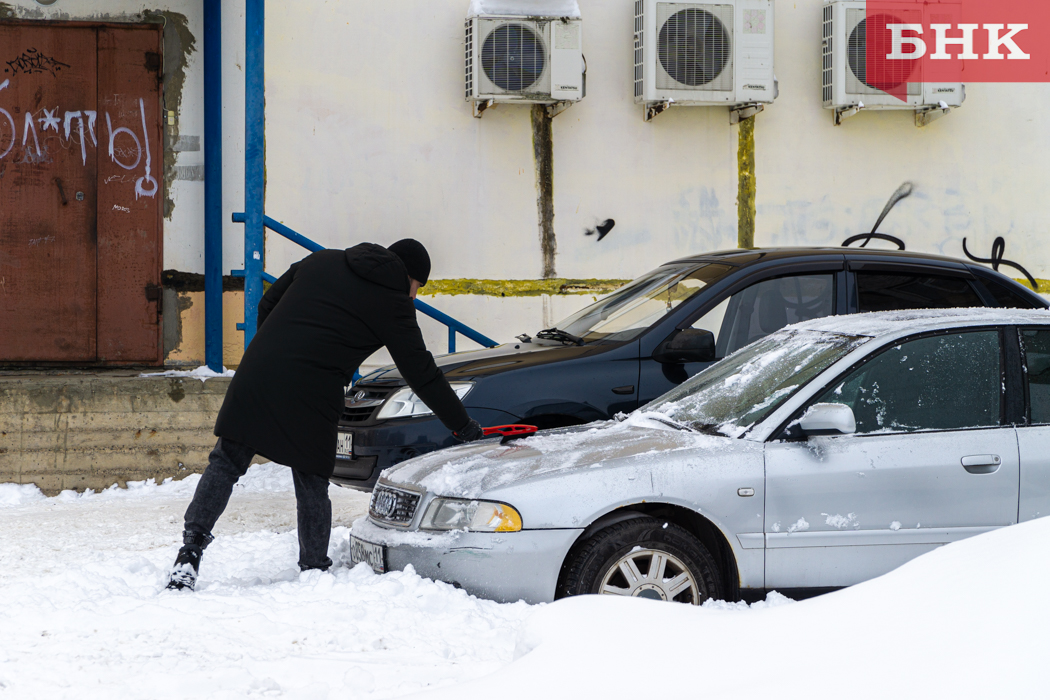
pixel 187 564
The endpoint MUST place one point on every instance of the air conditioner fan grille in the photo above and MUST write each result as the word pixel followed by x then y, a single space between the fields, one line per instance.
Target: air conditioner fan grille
pixel 513 57
pixel 694 47
pixel 894 73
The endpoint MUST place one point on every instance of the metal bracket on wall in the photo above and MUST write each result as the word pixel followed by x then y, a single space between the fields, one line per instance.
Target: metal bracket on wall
pixel 557 108
pixel 842 113
pixel 929 115
pixel 741 112
pixel 481 105
pixel 654 108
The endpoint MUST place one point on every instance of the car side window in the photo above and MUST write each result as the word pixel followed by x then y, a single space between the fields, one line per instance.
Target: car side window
pixel 942 382
pixel 891 291
pixel 765 307
pixel 1036 346
pixel 1006 297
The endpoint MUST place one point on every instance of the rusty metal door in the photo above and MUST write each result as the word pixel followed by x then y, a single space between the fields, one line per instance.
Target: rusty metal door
pixel 47 193
pixel 129 195
pixel 81 157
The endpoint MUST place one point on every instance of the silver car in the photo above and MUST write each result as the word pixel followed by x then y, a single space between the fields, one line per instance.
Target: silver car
pixel 825 454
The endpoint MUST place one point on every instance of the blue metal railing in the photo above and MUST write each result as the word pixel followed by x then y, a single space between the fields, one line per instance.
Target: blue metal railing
pixel 454 326
pixel 213 185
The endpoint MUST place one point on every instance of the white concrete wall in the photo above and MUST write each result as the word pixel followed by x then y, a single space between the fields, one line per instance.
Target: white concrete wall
pixel 369 139
pixel 979 172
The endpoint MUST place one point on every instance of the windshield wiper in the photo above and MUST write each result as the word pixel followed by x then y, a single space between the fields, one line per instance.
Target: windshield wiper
pixel 671 423
pixel 524 337
pixel 556 334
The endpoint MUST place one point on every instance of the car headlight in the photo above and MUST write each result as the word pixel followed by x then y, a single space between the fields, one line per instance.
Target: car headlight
pixel 404 403
pixel 476 516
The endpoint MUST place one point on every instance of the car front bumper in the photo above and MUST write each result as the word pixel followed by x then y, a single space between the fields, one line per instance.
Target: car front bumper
pixel 502 566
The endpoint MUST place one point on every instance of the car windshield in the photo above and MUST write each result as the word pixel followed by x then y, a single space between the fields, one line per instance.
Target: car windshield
pixel 628 311
pixel 734 394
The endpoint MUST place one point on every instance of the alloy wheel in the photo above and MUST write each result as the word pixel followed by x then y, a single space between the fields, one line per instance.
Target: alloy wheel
pixel 651 573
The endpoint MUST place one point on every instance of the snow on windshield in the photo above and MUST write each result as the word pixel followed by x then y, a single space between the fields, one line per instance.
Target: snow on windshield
pixel 734 394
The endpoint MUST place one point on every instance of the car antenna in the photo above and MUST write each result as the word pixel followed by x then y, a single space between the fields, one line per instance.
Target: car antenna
pixel 900 193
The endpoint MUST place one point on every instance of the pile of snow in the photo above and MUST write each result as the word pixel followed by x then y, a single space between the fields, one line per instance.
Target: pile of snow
pixel 85 613
pixel 17 494
pixel 967 620
pixel 202 373
pixel 532 8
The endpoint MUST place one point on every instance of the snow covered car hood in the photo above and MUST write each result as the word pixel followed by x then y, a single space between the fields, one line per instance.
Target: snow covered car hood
pixel 471 471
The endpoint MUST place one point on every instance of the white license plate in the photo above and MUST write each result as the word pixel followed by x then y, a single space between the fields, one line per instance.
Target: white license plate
pixel 373 554
pixel 345 446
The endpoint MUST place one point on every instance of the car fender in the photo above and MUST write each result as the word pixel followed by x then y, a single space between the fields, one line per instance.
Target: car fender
pixel 580 498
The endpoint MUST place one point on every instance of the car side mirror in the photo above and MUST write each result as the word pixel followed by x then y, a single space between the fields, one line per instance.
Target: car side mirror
pixel 686 345
pixel 828 419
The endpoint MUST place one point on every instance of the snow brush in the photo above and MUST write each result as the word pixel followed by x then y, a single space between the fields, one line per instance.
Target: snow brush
pixel 510 432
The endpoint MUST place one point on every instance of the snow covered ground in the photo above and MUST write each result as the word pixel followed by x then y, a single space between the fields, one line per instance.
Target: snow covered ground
pixel 84 614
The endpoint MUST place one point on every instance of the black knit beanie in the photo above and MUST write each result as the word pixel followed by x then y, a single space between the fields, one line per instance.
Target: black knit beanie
pixel 415 257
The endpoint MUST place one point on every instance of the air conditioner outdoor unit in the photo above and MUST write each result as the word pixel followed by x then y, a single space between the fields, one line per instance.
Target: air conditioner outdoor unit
pixel 847 87
pixel 523 59
pixel 703 54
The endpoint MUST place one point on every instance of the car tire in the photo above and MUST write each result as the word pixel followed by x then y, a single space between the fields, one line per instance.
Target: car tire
pixel 619 559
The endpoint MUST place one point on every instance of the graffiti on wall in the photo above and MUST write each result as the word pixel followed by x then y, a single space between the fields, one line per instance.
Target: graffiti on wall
pixel 904 191
pixel 78 128
pixel 32 61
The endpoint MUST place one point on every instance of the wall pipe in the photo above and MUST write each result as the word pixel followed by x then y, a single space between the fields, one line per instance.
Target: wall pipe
pixel 254 161
pixel 213 185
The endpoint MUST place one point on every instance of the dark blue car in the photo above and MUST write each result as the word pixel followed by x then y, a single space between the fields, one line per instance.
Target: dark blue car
pixel 649 336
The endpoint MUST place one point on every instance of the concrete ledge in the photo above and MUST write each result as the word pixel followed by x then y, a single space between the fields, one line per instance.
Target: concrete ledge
pixel 80 431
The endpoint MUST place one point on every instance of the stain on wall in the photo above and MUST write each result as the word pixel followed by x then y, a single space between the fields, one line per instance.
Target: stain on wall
pixel 179 43
pixel 521 288
pixel 745 198
pixel 543 148
pixel 175 305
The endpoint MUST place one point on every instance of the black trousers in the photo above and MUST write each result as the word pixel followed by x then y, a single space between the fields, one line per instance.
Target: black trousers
pixel 228 462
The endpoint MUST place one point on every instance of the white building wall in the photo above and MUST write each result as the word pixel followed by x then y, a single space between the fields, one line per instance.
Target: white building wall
pixel 978 172
pixel 369 139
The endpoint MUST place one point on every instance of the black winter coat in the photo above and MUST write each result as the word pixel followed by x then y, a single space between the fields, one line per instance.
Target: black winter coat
pixel 317 323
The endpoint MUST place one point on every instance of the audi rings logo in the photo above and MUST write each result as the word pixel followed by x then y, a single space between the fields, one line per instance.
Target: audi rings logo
pixel 384 504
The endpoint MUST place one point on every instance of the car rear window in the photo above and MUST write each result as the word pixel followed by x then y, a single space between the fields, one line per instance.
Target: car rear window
pixel 893 291
pixel 1006 297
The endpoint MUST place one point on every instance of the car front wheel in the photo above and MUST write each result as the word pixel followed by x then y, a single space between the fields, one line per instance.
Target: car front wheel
pixel 643 558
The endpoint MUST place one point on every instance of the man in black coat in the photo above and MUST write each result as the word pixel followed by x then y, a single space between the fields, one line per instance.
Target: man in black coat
pixel 317 323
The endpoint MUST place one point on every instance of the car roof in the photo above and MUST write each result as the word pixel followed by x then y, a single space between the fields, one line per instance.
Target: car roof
pixel 898 323
pixel 742 257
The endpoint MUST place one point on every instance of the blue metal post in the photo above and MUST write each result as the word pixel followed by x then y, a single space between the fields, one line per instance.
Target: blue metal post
pixel 254 161
pixel 213 184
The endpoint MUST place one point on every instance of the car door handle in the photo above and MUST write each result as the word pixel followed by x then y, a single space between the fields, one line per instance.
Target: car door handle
pixel 981 464
pixel 629 389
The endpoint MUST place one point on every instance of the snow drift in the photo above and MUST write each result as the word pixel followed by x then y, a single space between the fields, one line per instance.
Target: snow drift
pixel 968 620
